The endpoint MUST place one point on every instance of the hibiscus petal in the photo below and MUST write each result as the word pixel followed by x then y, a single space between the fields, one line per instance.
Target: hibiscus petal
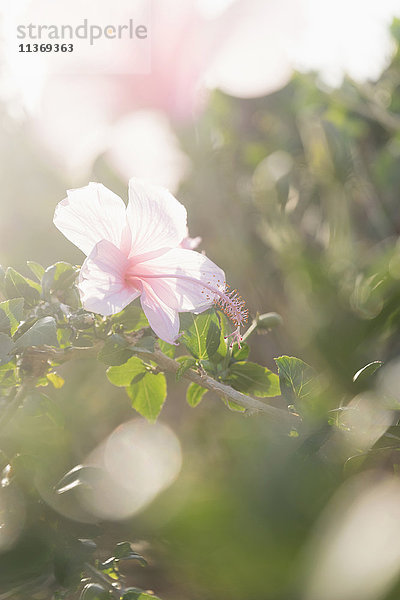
pixel 102 284
pixel 91 214
pixel 186 292
pixel 163 319
pixel 156 219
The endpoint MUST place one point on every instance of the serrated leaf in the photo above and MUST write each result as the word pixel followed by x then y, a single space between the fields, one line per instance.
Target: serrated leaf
pixel 297 379
pixel 17 286
pixel 194 394
pixel 36 269
pixel 131 318
pixel 123 375
pixel 6 348
pixel 185 364
pixel 251 378
pixel 202 334
pixel 43 332
pixel 148 395
pixel 115 351
pixel 11 313
pixel 368 370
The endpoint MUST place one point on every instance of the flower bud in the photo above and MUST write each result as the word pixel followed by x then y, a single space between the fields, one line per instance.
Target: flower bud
pixel 268 320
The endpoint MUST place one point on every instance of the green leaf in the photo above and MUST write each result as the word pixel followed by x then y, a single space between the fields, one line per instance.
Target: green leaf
pixel 8 375
pixel 123 375
pixel 58 278
pixel 6 348
pixel 167 349
pixel 368 370
pixel 186 362
pixel 43 332
pixel 297 379
pixel 148 395
pixel 145 344
pixel 64 337
pixel 17 286
pixel 56 380
pixel 115 350
pixel 233 406
pixel 11 313
pixel 242 353
pixel 223 346
pixel 250 378
pixel 202 334
pixel 124 551
pixel 194 394
pixel 213 339
pixel 131 318
pixel 36 269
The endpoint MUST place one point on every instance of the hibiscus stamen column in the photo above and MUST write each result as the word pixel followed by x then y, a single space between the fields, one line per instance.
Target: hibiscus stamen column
pixel 229 301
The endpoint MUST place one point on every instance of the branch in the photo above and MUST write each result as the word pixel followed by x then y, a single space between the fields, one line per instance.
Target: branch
pixel 252 405
pixel 221 389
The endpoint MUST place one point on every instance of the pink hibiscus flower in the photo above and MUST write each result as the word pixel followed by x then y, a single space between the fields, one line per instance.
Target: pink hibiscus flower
pixel 136 251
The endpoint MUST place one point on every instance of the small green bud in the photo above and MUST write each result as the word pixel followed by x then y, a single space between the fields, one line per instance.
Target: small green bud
pixel 268 320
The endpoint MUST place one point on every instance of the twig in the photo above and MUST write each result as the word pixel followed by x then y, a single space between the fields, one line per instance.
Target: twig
pixel 250 330
pixel 222 390
pixel 252 405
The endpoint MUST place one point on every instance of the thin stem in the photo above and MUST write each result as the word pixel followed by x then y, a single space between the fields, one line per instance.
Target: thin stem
pixel 249 331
